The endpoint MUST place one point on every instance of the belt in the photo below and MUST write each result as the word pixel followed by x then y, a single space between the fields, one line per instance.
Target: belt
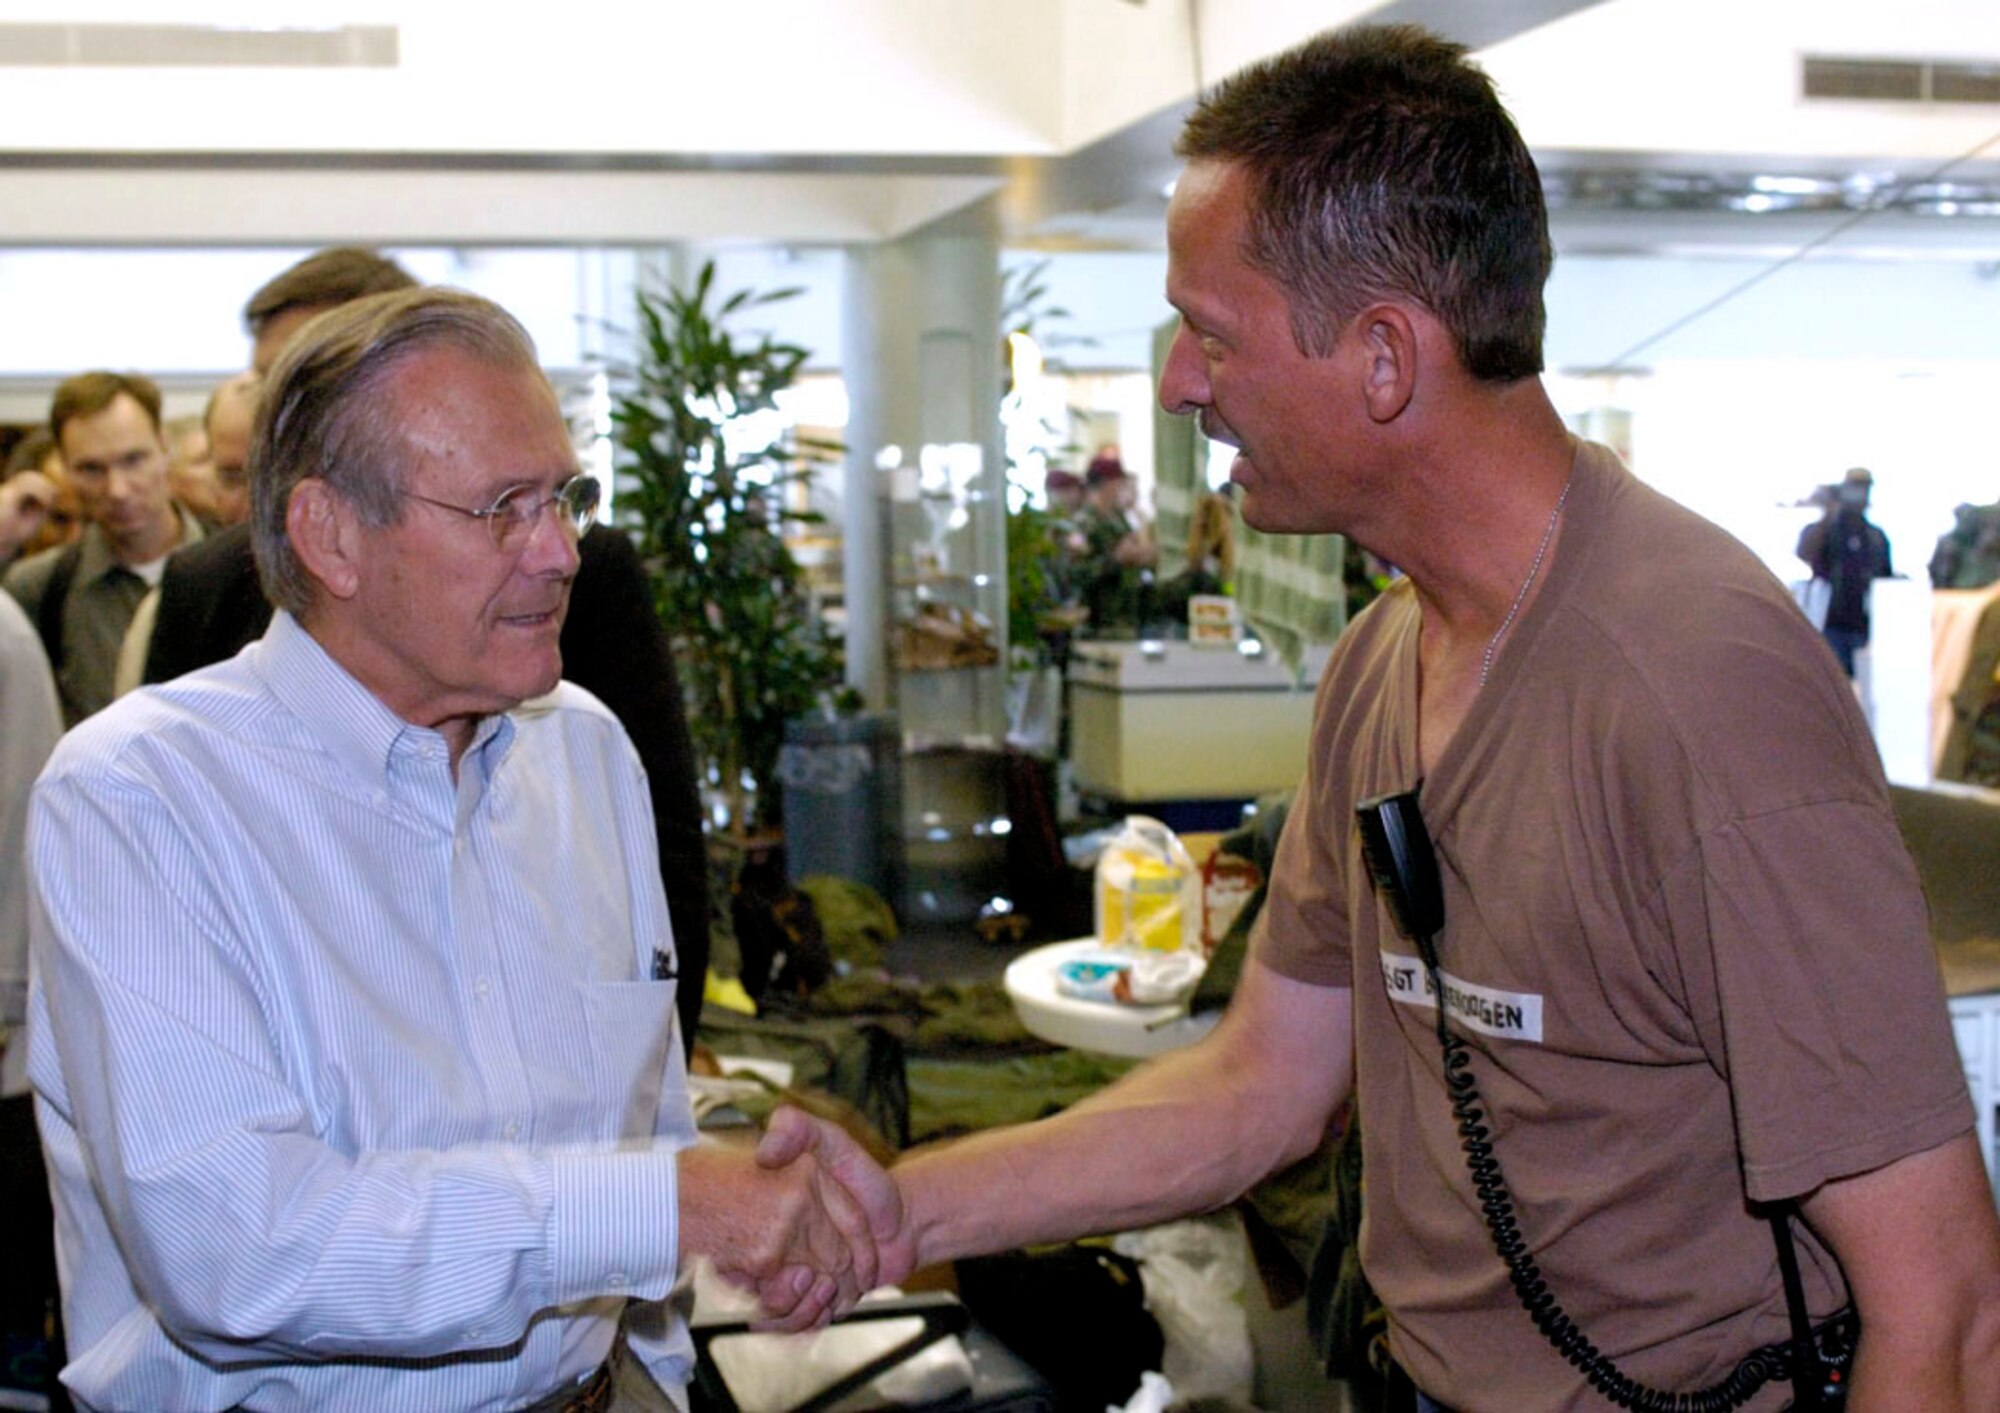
pixel 593 1395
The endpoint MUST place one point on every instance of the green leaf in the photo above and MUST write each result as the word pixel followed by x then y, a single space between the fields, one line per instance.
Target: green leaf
pixel 709 526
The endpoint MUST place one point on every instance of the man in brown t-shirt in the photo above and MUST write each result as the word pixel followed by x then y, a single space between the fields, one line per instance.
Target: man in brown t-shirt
pixel 1682 942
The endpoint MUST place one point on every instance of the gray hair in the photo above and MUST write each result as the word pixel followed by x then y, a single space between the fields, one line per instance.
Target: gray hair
pixel 324 413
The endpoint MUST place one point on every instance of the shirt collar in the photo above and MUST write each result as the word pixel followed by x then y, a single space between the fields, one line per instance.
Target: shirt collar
pixel 95 559
pixel 350 721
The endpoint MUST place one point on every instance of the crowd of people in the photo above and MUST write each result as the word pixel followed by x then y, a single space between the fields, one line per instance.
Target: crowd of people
pixel 1099 571
pixel 356 1024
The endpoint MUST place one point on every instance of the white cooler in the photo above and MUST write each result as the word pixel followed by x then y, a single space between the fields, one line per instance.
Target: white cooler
pixel 1171 721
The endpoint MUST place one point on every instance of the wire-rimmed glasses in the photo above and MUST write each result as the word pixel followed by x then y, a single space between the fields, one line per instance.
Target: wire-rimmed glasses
pixel 512 517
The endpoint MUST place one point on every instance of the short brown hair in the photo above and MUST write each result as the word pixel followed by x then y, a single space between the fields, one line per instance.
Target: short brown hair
pixel 1382 164
pixel 320 414
pixel 322 280
pixel 87 394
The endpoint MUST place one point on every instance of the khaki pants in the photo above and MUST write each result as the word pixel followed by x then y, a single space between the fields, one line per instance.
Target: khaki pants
pixel 633 1389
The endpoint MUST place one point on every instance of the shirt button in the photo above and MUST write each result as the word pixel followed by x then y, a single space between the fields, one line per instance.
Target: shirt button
pixel 482 988
pixel 512 1131
pixel 475 1334
pixel 615 1281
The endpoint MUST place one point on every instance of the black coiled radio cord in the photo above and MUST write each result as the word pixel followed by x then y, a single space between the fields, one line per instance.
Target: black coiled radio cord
pixel 1497 1205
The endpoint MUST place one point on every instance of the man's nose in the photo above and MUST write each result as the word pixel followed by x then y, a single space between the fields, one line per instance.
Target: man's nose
pixel 552 544
pixel 1184 375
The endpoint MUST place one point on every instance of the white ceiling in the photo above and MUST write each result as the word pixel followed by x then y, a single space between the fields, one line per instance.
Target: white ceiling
pixel 1722 77
pixel 809 121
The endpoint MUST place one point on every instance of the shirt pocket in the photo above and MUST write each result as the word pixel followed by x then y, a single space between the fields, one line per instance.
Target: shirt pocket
pixel 636 1055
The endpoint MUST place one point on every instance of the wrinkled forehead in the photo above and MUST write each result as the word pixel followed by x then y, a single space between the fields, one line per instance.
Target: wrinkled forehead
pixel 456 411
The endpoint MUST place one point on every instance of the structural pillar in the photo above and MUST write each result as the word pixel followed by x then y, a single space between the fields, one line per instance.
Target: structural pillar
pixel 921 357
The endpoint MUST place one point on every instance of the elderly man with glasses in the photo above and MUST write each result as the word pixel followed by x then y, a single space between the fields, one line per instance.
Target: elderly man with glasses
pixel 353 1029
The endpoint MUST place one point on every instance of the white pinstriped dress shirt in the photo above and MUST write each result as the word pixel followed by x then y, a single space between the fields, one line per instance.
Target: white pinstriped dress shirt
pixel 356 1090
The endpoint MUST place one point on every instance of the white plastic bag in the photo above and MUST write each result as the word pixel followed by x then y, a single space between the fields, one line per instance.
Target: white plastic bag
pixel 768 1373
pixel 1148 889
pixel 1154 1395
pixel 1194 1274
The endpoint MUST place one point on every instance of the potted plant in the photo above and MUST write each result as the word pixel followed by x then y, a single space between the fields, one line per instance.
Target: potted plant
pixel 707 503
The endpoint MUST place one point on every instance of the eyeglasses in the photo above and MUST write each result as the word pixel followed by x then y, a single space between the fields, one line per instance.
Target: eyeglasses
pixel 513 517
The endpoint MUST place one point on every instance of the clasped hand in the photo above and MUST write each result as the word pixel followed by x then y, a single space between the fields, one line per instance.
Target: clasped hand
pixel 827 1225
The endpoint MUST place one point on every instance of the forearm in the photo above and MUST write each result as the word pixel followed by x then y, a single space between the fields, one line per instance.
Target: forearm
pixel 1936 1348
pixel 1919 1241
pixel 1956 1370
pixel 1146 1151
pixel 1188 1132
pixel 247 1244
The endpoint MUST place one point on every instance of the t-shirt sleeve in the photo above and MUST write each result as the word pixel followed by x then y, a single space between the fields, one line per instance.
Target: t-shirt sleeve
pixel 1804 944
pixel 1303 930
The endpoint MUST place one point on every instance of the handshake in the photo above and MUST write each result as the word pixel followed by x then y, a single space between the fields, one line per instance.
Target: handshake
pixel 810 1225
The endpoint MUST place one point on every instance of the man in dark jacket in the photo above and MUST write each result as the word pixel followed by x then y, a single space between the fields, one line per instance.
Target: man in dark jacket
pixel 1849 552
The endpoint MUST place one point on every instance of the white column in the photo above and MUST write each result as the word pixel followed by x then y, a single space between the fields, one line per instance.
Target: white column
pixel 1894 674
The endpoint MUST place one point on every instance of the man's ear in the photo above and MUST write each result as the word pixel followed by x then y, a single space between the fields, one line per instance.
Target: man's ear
pixel 1391 362
pixel 325 535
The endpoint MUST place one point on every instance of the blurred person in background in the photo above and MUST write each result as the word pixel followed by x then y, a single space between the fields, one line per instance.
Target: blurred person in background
pixel 1847 552
pixel 224 481
pixel 232 407
pixel 190 473
pixel 1211 561
pixel 29 1332
pixel 38 507
pixel 81 597
pixel 1117 569
pixel 1967 556
pixel 323 280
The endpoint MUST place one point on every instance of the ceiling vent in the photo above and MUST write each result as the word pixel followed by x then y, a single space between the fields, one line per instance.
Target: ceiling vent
pixel 1901 80
pixel 1651 190
pixel 147 46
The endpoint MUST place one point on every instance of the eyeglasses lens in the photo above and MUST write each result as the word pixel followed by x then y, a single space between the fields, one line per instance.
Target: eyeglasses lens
pixel 579 497
pixel 515 514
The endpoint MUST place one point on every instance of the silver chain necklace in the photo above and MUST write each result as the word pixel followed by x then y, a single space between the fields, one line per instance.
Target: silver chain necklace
pixel 1541 550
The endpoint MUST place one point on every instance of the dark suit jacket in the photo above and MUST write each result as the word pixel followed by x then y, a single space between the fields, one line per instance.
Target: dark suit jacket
pixel 212 606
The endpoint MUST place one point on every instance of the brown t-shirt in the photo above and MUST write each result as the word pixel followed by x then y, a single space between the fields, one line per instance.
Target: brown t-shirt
pixel 1682 937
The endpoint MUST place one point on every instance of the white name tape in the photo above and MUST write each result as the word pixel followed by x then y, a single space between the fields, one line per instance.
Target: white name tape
pixel 1506 1015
